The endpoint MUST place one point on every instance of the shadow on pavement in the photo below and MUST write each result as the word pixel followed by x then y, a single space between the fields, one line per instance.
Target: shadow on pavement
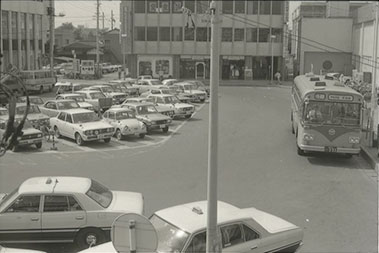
pixel 332 160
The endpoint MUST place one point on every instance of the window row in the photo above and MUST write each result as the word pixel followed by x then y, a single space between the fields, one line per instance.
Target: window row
pixel 202 6
pixel 204 34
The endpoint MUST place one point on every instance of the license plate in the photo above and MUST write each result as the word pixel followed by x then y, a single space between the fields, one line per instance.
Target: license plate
pixel 330 149
pixel 188 112
pixel 101 136
pixel 162 126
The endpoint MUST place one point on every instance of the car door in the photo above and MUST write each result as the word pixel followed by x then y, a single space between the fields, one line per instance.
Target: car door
pixel 69 127
pixel 21 221
pixel 62 217
pixel 49 109
pixel 238 237
pixel 61 123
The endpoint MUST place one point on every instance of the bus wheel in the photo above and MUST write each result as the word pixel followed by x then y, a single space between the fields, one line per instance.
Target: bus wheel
pixel 300 151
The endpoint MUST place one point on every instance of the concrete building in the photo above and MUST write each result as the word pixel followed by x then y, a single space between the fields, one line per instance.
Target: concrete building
pixel 24 25
pixel 158 38
pixel 64 36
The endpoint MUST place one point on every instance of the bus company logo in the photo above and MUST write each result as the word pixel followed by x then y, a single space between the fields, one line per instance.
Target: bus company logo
pixel 332 132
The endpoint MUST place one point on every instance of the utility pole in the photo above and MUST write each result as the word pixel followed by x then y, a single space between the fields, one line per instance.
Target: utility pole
pixel 103 21
pixel 112 20
pixel 51 12
pixel 97 37
pixel 374 90
pixel 213 239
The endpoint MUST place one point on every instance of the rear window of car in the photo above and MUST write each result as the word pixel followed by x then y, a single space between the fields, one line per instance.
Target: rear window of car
pixel 100 194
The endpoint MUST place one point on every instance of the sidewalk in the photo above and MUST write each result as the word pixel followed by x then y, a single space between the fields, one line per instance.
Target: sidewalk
pixel 370 154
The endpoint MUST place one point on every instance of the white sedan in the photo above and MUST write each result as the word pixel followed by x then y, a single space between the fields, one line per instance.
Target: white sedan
pixel 125 122
pixel 81 125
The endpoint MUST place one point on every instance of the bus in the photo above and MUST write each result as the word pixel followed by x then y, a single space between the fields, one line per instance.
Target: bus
pixel 326 115
pixel 38 80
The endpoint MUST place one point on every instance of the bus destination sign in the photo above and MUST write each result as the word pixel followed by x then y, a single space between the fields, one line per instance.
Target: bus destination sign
pixel 341 97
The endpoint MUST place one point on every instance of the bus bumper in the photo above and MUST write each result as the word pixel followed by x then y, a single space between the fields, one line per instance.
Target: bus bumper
pixel 324 149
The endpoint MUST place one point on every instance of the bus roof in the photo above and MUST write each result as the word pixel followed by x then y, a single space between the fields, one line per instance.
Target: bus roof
pixel 316 83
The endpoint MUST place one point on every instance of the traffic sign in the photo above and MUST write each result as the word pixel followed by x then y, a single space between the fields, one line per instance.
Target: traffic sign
pixel 133 233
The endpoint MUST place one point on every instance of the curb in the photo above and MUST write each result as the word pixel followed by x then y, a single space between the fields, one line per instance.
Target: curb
pixel 370 158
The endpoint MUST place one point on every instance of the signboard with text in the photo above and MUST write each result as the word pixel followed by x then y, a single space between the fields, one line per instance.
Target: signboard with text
pixel 88 67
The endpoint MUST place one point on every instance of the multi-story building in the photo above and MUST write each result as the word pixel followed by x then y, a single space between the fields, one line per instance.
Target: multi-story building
pixel 24 25
pixel 158 37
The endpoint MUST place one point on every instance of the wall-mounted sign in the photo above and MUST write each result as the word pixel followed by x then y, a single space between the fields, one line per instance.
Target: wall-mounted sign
pixel 341 97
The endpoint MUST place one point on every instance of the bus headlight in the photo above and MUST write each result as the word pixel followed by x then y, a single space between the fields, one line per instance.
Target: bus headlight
pixel 354 139
pixel 308 137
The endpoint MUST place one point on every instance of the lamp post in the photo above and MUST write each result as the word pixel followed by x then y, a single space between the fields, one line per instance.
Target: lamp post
pixel 272 37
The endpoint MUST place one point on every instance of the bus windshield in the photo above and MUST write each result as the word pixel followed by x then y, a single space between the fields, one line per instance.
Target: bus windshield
pixel 332 113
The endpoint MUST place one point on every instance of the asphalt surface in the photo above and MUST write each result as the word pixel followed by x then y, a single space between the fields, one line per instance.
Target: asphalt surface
pixel 333 198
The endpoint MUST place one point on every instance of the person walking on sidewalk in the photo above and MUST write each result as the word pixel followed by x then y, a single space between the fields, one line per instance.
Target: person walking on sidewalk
pixel 277 77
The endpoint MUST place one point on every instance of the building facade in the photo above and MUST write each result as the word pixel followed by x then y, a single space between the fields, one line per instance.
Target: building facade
pixel 24 25
pixel 159 38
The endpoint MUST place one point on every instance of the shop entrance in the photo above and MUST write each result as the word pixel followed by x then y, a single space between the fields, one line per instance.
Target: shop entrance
pixel 233 69
pixel 200 70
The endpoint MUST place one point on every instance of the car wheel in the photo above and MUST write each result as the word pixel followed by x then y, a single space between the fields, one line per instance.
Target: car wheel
pixel 56 132
pixel 89 237
pixel 79 139
pixel 107 140
pixel 39 145
pixel 119 135
pixel 142 136
pixel 165 130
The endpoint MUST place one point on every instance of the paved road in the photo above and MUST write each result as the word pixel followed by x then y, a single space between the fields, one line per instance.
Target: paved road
pixel 333 198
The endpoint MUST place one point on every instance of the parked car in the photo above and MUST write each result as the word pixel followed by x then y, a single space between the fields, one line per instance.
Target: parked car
pixel 199 85
pixel 33 100
pixel 146 84
pixel 13 250
pixel 81 125
pixel 125 123
pixel 165 110
pixel 145 77
pixel 169 82
pixel 148 114
pixel 128 84
pixel 118 97
pixel 97 99
pixel 188 89
pixel 182 228
pixel 180 109
pixel 51 108
pixel 63 209
pixel 30 135
pixel 78 98
pixel 63 88
pixel 35 117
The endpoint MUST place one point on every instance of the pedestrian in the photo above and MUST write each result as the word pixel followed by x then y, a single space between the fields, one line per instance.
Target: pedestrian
pixel 237 73
pixel 119 73
pixel 277 77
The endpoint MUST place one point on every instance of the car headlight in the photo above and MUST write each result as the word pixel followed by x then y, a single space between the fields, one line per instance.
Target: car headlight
pixel 308 137
pixel 354 139
pixel 88 132
pixel 39 135
pixel 96 132
pixel 169 120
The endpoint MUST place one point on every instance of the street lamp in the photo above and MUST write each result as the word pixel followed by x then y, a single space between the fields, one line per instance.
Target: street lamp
pixel 272 37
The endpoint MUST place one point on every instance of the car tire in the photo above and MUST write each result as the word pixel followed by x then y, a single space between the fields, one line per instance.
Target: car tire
pixel 57 133
pixel 39 145
pixel 119 135
pixel 165 130
pixel 79 139
pixel 141 136
pixel 107 140
pixel 89 237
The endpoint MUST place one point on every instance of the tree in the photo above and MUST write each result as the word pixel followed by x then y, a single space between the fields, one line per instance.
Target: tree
pixel 67 26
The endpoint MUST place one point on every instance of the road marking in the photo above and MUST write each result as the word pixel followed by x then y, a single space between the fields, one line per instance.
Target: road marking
pixel 73 144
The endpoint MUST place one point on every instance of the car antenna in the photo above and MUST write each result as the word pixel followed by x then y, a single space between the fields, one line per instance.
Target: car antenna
pixel 55 184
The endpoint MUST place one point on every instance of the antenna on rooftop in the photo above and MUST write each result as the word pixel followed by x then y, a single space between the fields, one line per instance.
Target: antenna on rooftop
pixel 55 184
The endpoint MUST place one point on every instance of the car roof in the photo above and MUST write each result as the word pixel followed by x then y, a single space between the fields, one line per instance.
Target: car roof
pixel 138 104
pixel 88 91
pixel 99 86
pixel 161 95
pixel 64 185
pixel 76 110
pixel 61 100
pixel 24 104
pixel 121 109
pixel 70 95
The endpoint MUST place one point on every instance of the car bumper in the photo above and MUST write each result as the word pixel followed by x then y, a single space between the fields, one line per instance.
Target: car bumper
pixel 183 113
pixel 134 131
pixel 337 150
pixel 97 137
pixel 155 127
pixel 29 142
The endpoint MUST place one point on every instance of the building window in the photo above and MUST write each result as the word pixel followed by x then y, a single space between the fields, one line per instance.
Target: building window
pixel 140 6
pixel 239 34
pixel 4 24
pixel 164 33
pixel 152 6
pixel 177 34
pixel 190 4
pixel 140 33
pixel 31 26
pixel 201 34
pixel 252 7
pixel 14 24
pixel 202 6
pixel 239 6
pixel 23 25
pixel 264 35
pixel 164 6
pixel 162 67
pixel 189 33
pixel 265 7
pixel 177 6
pixel 227 34
pixel 277 32
pixel 152 34
pixel 227 7
pixel 277 7
pixel 251 34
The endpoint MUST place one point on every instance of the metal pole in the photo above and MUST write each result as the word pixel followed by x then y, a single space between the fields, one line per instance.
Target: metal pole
pixel 97 37
pixel 374 102
pixel 213 242
pixel 51 39
pixel 272 61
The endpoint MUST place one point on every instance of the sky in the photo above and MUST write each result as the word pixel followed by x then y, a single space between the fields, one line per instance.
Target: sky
pixel 84 12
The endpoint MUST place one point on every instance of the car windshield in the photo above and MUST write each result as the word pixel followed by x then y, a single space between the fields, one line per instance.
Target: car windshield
pixel 146 109
pixel 170 238
pixel 99 193
pixel 96 95
pixel 85 117
pixel 156 82
pixel 107 89
pixel 32 109
pixel 76 98
pixel 333 113
pixel 125 115
pixel 166 91
pixel 64 105
pixel 170 100
pixel 118 88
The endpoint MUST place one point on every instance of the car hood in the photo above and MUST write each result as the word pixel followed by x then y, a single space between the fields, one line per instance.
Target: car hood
pixel 112 94
pixel 93 125
pixel 84 104
pixel 30 130
pixel 154 116
pixel 271 223
pixel 197 92
pixel 123 201
pixel 183 105
pixel 37 116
